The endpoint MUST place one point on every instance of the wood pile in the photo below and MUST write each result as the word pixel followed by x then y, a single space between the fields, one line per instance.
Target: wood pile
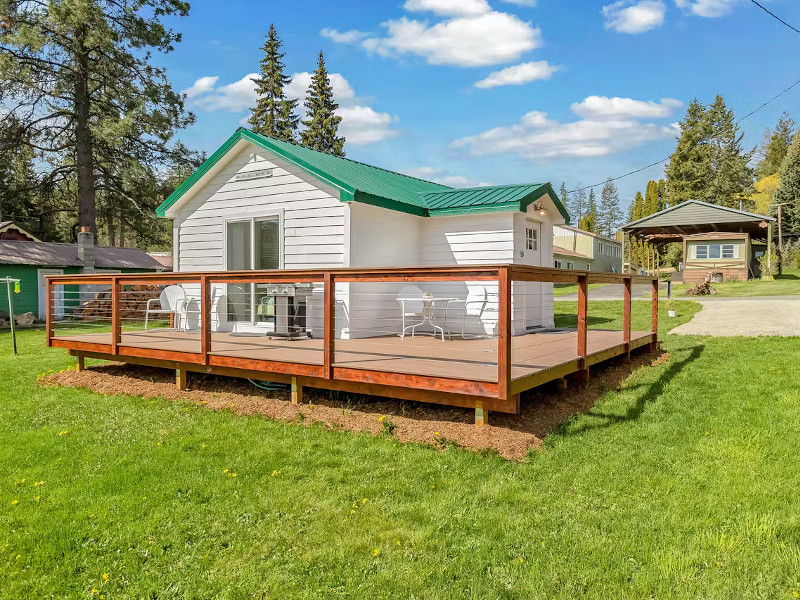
pixel 704 288
pixel 132 303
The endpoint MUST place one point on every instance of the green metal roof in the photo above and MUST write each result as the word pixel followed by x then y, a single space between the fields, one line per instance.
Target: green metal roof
pixel 365 183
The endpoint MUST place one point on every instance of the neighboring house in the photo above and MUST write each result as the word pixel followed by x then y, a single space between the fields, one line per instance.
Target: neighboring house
pixel 574 248
pixel 164 258
pixel 10 231
pixel 260 203
pixel 31 261
pixel 717 240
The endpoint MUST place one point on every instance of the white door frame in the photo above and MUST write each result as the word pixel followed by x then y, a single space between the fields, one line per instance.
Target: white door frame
pixel 58 294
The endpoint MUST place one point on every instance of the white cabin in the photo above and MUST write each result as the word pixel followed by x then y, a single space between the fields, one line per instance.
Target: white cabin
pixel 260 203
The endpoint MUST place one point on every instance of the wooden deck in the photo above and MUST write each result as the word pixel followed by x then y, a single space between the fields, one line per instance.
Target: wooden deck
pixel 470 359
pixel 484 374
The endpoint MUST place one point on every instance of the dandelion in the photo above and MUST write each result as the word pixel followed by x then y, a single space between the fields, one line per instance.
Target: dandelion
pixel 542 544
pixel 38 483
pixel 226 470
pixel 63 432
pixel 106 576
pixel 14 502
pixel 376 552
pixel 202 445
pixel 795 593
pixel 364 501
pixel 382 417
pixel 95 591
pixel 38 498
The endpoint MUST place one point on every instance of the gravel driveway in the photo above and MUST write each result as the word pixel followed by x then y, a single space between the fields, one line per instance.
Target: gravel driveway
pixel 765 315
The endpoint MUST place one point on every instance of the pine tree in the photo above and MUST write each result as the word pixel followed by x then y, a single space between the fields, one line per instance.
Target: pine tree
pixel 579 203
pixel 788 194
pixel 689 168
pixel 662 195
pixel 731 177
pixel 609 214
pixel 564 197
pixel 322 123
pixel 637 212
pixel 274 113
pixel 650 206
pixel 775 146
pixel 81 73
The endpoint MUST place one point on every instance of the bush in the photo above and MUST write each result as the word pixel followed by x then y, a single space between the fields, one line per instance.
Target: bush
pixel 791 255
pixel 768 267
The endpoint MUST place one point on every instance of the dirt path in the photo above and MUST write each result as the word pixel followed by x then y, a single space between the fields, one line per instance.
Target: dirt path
pixel 763 315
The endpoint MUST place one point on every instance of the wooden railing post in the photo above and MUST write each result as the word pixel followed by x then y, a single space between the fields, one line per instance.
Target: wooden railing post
pixel 48 319
pixel 583 301
pixel 504 333
pixel 654 328
pixel 116 326
pixel 205 319
pixel 626 320
pixel 328 324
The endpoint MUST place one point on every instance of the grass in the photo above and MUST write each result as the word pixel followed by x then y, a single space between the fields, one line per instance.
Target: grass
pixel 786 284
pixel 564 289
pixel 680 484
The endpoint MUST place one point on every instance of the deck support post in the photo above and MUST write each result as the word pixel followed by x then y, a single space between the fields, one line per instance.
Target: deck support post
pixel 205 319
pixel 561 384
pixel 328 325
pixel 504 333
pixel 79 361
pixel 480 414
pixel 626 321
pixel 297 391
pixel 654 315
pixel 116 325
pixel 583 302
pixel 181 378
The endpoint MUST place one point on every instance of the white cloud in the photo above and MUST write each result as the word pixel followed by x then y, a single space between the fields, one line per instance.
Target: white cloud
pixel 606 129
pixel 201 86
pixel 707 8
pixel 438 175
pixel 602 107
pixel 343 37
pixel 361 124
pixel 449 7
pixel 519 74
pixel 634 17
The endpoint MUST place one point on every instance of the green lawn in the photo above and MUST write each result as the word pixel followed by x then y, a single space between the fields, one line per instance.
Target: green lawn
pixel 563 289
pixel 681 484
pixel 783 285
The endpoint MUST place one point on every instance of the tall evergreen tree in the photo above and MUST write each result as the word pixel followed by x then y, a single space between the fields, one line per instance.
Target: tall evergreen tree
pixel 589 222
pixel 775 146
pixel 662 195
pixel 274 113
pixel 609 214
pixel 322 123
pixel 689 168
pixel 564 197
pixel 78 75
pixel 788 194
pixel 731 177
pixel 637 212
pixel 650 199
pixel 579 205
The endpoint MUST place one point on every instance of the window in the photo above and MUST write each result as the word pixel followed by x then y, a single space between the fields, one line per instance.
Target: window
pixel 715 251
pixel 557 264
pixel 727 251
pixel 601 248
pixel 701 252
pixel 531 241
pixel 570 266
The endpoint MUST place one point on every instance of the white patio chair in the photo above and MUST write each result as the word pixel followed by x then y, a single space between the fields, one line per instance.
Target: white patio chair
pixel 411 308
pixel 173 302
pixel 460 311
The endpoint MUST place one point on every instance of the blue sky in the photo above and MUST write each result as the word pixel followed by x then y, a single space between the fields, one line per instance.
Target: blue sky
pixel 473 92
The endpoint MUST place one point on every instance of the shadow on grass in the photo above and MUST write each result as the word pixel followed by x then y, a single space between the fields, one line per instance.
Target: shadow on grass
pixel 787 277
pixel 646 394
pixel 571 321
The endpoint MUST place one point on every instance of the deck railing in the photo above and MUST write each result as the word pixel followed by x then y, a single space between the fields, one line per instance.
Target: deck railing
pixel 501 390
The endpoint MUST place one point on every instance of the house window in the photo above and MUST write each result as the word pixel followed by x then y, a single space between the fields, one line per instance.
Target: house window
pixel 570 266
pixel 531 241
pixel 601 248
pixel 727 251
pixel 557 264
pixel 701 252
pixel 715 251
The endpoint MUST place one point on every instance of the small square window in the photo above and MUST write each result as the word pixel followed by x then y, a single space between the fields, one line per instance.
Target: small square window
pixel 557 264
pixel 727 251
pixel 714 251
pixel 531 242
pixel 570 266
pixel 701 252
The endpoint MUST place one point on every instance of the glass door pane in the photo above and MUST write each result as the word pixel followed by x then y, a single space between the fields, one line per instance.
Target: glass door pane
pixel 239 258
pixel 268 243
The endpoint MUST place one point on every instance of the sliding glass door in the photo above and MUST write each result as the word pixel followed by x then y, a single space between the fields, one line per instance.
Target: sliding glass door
pixel 251 244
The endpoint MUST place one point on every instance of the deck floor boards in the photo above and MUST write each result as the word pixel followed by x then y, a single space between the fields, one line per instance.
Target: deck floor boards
pixel 468 359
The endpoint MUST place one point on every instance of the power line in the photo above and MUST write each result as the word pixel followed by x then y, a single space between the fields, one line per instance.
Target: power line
pixel 772 14
pixel 653 164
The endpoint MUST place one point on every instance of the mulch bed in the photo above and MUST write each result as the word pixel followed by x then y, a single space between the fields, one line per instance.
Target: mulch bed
pixel 511 436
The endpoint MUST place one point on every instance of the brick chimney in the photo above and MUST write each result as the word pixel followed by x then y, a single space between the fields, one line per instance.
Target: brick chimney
pixel 86 249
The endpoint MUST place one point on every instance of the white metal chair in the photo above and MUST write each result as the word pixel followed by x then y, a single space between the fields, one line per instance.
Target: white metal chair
pixel 461 311
pixel 173 302
pixel 411 308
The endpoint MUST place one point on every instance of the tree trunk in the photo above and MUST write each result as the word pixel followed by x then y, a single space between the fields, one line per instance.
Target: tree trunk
pixel 110 227
pixel 83 136
pixel 121 231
